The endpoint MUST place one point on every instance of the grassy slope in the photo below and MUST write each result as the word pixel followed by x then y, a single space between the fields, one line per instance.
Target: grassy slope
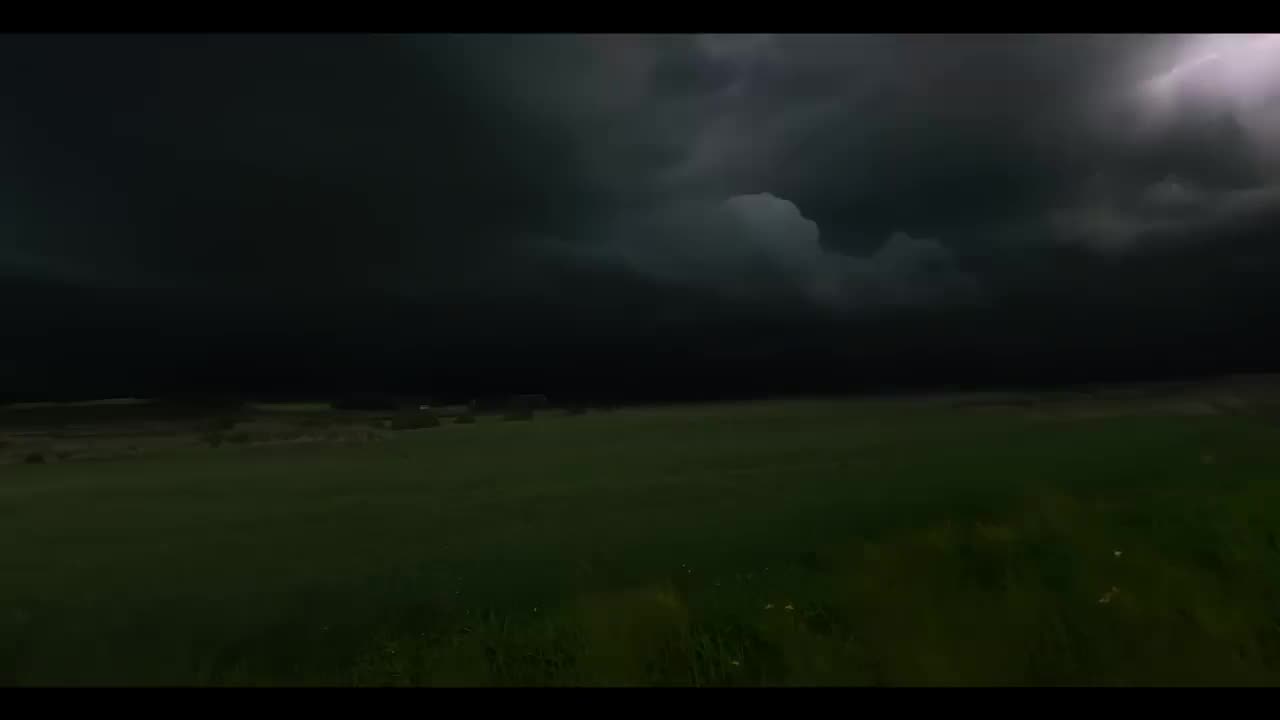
pixel 913 544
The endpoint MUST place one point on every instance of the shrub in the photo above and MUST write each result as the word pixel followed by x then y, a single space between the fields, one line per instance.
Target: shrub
pixel 521 407
pixel 221 424
pixel 488 403
pixel 34 458
pixel 465 419
pixel 414 420
pixel 519 413
pixel 533 402
pixel 575 410
pixel 367 401
pixel 238 437
pixel 192 401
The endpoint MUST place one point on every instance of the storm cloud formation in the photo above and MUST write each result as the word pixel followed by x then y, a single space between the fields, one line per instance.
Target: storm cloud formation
pixel 758 208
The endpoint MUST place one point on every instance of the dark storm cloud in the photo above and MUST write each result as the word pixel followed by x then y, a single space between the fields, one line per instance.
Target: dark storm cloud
pixel 998 148
pixel 294 160
pixel 579 182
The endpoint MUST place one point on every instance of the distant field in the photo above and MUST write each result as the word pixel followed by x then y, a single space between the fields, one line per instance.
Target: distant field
pixel 929 541
pixel 295 407
pixel 109 402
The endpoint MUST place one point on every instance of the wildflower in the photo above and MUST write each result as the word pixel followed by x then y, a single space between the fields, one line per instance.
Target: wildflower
pixel 768 606
pixel 789 607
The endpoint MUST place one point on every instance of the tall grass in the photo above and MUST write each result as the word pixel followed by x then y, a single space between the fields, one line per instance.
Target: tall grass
pixel 781 543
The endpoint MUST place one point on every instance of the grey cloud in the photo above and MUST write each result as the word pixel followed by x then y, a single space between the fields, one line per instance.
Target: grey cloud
pixel 1169 213
pixel 339 164
pixel 761 248
pixel 991 144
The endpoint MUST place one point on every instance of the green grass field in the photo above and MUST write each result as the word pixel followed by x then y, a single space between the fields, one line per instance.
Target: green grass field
pixel 851 542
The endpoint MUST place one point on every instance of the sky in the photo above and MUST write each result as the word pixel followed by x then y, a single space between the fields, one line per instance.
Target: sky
pixel 642 216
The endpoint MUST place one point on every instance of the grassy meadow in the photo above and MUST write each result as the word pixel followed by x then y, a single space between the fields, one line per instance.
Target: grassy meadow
pixel 1094 540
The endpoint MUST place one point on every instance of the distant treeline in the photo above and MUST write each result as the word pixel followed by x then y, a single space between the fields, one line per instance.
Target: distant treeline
pixel 380 402
pixel 204 402
pixel 178 408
